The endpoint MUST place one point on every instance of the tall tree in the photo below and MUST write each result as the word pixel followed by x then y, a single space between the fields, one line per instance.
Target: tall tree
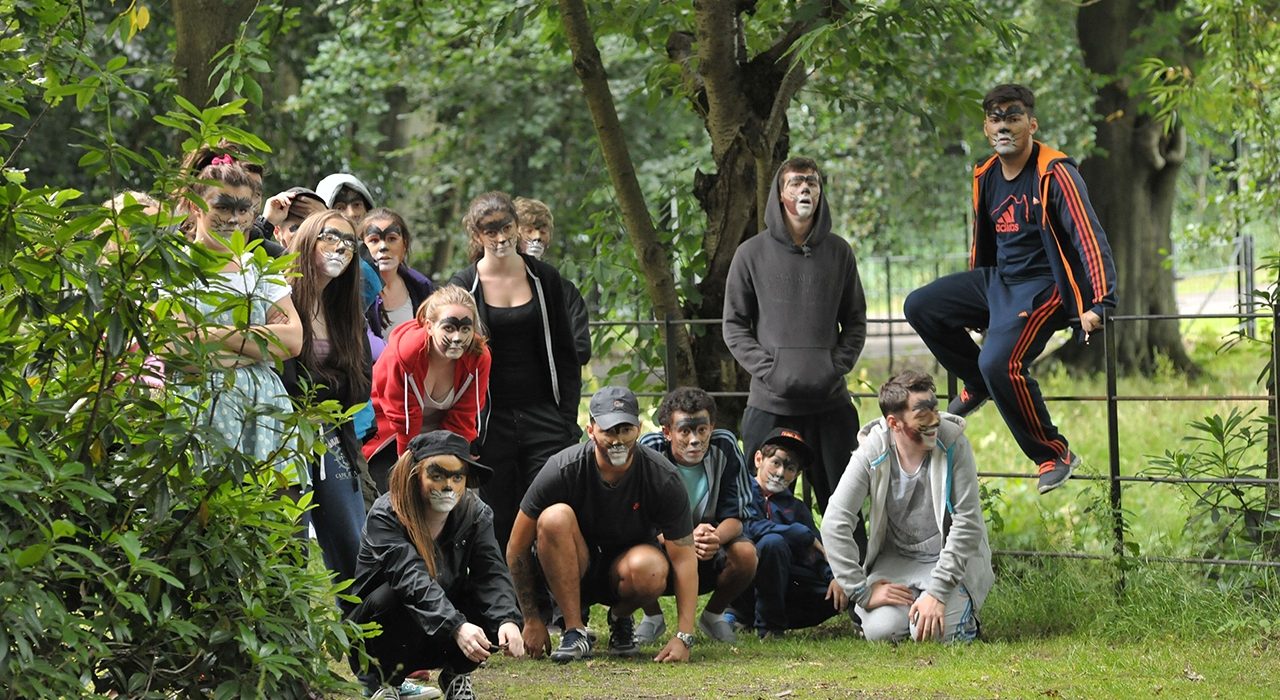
pixel 204 28
pixel 1133 178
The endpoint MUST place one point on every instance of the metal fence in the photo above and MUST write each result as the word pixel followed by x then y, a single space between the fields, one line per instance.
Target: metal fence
pixel 1114 325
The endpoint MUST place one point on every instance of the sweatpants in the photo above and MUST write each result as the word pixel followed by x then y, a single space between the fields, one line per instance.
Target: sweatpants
pixel 518 442
pixel 1019 319
pixel 789 594
pixel 402 647
pixel 889 623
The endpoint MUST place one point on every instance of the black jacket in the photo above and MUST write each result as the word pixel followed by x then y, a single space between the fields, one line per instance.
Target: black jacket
pixel 470 571
pixel 558 335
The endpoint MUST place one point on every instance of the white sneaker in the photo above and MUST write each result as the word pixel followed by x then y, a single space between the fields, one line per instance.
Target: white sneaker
pixel 650 629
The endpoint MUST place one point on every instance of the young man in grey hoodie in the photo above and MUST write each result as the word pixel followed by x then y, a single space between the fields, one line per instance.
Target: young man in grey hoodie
pixel 927 569
pixel 796 319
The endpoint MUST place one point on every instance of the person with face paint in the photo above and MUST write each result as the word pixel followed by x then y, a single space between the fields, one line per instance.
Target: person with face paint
pixel 434 374
pixel 334 364
pixel 537 226
pixel 590 525
pixel 532 410
pixel 796 319
pixel 794 587
pixel 1040 262
pixel 927 567
pixel 386 238
pixel 245 409
pixel 431 574
pixel 715 478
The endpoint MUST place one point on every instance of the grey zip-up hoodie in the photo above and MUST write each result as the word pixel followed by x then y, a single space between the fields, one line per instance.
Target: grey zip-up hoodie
pixel 966 554
pixel 795 316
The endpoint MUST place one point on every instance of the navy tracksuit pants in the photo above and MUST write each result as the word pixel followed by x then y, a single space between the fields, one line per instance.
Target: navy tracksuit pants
pixel 1019 318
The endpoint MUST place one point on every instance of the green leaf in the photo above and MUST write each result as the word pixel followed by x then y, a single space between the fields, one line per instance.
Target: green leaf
pixel 28 556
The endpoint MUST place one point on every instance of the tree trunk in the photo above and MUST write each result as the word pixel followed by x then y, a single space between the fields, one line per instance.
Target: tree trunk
pixel 203 28
pixel 1132 183
pixel 613 145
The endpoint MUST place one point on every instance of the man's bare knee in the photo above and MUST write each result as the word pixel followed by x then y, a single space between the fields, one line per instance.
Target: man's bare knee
pixel 557 525
pixel 642 573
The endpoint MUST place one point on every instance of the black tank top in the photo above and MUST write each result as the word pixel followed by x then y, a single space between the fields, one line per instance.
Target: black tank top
pixel 520 374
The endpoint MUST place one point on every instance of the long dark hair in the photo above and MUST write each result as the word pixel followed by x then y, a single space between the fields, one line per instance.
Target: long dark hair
pixel 346 363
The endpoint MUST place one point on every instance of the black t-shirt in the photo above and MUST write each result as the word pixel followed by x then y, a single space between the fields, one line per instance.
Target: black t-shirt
pixel 1014 207
pixel 649 499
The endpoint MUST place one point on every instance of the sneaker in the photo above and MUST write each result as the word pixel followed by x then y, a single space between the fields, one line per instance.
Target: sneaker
pixel 715 626
pixel 650 629
pixel 1055 472
pixel 457 686
pixel 412 689
pixel 385 693
pixel 574 645
pixel 967 402
pixel 622 636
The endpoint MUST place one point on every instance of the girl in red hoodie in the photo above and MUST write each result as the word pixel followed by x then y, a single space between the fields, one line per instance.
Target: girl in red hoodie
pixel 433 375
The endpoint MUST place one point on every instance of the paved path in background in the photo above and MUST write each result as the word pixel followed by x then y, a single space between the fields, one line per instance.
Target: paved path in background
pixel 905 342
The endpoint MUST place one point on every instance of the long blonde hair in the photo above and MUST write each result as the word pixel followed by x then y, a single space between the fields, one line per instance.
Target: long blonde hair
pixel 453 295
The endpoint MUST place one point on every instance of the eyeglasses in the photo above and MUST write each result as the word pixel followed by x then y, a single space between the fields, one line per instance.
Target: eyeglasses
pixel 333 238
pixel 798 180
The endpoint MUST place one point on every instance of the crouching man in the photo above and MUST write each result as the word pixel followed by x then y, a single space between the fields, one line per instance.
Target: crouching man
pixel 928 563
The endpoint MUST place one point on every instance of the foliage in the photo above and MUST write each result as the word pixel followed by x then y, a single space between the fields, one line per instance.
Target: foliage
pixel 140 556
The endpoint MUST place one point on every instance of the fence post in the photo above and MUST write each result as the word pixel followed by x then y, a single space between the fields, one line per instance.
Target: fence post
pixel 888 302
pixel 1113 445
pixel 669 361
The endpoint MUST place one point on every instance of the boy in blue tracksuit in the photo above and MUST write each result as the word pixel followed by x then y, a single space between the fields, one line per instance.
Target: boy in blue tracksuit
pixel 794 586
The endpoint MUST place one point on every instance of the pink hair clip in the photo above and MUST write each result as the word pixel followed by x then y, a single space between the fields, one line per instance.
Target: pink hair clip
pixel 222 160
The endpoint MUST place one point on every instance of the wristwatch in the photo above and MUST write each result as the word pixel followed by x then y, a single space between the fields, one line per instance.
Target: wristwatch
pixel 686 638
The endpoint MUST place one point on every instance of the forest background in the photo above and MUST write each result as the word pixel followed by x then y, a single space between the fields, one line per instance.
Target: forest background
pixel 689 107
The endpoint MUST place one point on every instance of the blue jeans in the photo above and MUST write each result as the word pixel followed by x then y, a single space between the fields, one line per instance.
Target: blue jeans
pixel 338 512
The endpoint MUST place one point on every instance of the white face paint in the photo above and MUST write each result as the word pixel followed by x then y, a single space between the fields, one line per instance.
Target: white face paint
pixel 804 208
pixel 501 249
pixel 443 501
pixel 775 484
pixel 333 264
pixel 535 249
pixel 618 454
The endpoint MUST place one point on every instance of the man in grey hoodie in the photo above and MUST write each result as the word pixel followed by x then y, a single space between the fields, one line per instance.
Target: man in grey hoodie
pixel 796 319
pixel 927 569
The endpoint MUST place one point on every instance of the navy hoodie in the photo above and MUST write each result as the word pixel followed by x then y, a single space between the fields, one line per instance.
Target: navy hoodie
pixel 795 316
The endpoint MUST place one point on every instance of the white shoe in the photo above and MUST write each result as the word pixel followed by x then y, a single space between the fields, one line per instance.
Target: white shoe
pixel 715 626
pixel 650 629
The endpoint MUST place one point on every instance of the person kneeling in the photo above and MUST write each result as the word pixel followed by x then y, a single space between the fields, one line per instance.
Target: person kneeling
pixel 430 572
pixel 928 564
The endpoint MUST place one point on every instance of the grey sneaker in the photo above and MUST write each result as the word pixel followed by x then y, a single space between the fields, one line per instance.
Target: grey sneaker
pixel 715 626
pixel 1055 472
pixel 650 629
pixel 574 646
pixel 622 636
pixel 457 686
pixel 385 693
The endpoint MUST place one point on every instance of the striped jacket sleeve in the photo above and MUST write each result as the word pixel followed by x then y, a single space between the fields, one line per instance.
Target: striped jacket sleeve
pixel 1070 205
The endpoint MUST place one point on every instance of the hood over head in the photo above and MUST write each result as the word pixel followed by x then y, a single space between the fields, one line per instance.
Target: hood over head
pixel 776 223
pixel 329 186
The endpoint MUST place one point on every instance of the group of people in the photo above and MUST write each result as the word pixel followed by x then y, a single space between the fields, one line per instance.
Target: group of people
pixel 471 517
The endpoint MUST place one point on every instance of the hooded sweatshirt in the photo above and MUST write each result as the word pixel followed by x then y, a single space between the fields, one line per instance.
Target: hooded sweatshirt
pixel 794 315
pixel 329 186
pixel 398 390
pixel 966 555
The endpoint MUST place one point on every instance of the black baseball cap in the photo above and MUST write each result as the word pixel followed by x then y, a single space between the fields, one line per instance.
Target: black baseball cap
pixel 614 405
pixel 308 193
pixel 791 441
pixel 445 442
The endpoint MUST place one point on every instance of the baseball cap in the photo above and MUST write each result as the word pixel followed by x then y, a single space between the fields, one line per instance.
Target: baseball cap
pixel 308 193
pixel 614 405
pixel 445 442
pixel 791 441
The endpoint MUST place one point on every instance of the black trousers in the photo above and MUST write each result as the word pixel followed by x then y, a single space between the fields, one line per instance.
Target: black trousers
pixel 403 647
pixel 518 442
pixel 832 435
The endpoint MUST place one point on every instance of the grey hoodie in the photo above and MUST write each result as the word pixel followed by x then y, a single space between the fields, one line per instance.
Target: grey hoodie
pixel 329 186
pixel 966 554
pixel 794 316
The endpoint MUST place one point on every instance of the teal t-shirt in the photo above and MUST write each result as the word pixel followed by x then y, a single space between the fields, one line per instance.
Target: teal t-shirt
pixel 695 482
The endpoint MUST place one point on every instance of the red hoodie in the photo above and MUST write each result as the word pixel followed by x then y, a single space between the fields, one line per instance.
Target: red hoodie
pixel 398 378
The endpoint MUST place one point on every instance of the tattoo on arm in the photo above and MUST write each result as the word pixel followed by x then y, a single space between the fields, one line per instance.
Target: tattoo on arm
pixel 522 574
